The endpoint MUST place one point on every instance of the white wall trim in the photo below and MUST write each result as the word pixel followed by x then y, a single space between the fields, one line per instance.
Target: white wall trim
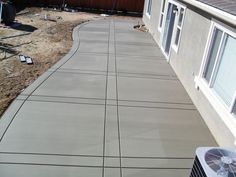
pixel 174 46
pixel 148 15
pixel 163 6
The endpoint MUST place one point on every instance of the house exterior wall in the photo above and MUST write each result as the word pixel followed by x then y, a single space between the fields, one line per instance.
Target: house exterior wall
pixel 187 63
pixel 153 21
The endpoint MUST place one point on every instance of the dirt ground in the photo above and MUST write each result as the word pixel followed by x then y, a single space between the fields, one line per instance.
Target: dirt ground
pixel 44 41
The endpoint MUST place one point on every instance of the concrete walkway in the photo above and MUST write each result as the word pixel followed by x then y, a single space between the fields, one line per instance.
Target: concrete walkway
pixel 112 107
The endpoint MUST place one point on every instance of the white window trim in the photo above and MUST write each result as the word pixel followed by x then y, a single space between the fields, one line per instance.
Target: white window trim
pixel 162 13
pixel 233 104
pixel 147 13
pixel 223 111
pixel 179 5
pixel 174 46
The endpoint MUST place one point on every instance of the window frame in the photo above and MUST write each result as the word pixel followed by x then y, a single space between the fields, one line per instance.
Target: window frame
pixel 179 6
pixel 233 104
pixel 162 14
pixel 218 59
pixel 224 111
pixel 149 9
pixel 176 46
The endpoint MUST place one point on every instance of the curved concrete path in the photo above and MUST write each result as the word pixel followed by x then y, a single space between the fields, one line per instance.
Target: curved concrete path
pixel 112 107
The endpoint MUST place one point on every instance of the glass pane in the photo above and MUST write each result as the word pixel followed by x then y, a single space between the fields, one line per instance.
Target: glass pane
pixel 149 7
pixel 181 15
pixel 234 109
pixel 161 20
pixel 177 36
pixel 167 19
pixel 225 84
pixel 170 27
pixel 212 54
pixel 163 5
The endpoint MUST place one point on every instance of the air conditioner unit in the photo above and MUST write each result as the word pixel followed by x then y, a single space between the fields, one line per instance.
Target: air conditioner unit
pixel 214 162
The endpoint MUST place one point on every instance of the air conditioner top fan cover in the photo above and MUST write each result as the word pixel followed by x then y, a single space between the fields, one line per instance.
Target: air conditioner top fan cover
pixel 218 162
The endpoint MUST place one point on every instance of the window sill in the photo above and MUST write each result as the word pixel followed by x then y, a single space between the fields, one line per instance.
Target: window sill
pixel 219 107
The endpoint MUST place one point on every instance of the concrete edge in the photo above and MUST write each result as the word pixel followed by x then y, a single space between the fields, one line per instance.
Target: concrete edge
pixel 8 116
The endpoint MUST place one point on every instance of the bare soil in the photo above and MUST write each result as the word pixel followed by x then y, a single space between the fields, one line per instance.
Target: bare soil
pixel 47 43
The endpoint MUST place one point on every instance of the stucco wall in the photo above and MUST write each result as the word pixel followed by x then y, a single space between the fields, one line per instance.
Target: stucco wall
pixel 153 22
pixel 187 62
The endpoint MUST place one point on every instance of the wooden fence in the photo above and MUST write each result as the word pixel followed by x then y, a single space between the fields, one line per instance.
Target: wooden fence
pixel 120 5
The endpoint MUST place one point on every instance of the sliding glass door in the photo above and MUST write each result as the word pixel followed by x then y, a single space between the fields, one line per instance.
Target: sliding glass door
pixel 169 27
pixel 172 26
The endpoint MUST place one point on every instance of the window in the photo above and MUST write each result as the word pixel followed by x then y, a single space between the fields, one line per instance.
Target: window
pixel 171 24
pixel 215 43
pixel 219 70
pixel 162 14
pixel 179 25
pixel 216 78
pixel 149 8
pixel 234 109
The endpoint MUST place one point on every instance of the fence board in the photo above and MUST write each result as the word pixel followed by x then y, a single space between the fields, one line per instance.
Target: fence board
pixel 123 5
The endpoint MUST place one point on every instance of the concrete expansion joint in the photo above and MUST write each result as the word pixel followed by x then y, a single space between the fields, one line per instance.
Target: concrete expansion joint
pixel 103 110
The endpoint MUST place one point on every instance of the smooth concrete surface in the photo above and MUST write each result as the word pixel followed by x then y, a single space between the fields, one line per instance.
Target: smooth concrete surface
pixel 112 107
pixel 88 62
pixel 69 84
pixel 153 90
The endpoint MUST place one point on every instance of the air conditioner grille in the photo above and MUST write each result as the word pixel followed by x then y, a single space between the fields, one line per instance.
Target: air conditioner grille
pixel 197 170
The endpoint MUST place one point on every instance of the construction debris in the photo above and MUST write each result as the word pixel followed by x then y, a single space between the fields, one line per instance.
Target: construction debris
pixel 47 17
pixel 22 58
pixel 104 15
pixel 26 59
pixel 13 36
pixel 70 10
pixel 23 12
pixel 7 49
pixel 141 27
pixel 29 60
